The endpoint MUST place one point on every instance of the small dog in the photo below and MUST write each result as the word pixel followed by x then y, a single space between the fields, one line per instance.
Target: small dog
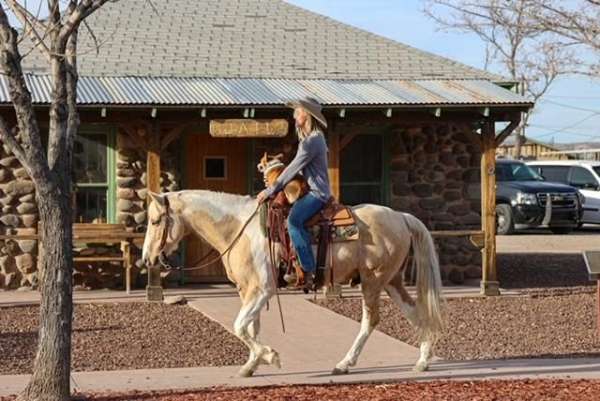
pixel 271 167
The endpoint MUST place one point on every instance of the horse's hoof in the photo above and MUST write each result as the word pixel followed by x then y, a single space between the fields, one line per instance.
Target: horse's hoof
pixel 245 373
pixel 421 367
pixel 272 358
pixel 338 371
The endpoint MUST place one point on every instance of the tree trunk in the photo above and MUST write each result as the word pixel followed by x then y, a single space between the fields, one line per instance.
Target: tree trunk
pixel 52 366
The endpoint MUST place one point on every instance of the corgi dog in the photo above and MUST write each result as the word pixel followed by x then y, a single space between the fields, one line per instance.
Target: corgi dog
pixel 271 167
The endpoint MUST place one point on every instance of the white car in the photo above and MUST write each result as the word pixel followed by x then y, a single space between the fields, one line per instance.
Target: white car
pixel 581 174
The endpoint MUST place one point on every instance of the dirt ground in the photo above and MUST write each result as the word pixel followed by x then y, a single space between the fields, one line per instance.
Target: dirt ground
pixel 519 390
pixel 123 336
pixel 552 326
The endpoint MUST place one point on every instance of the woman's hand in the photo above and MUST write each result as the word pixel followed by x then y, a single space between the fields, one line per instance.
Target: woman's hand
pixel 262 196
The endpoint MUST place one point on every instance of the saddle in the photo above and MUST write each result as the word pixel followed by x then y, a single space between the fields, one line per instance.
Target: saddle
pixel 333 223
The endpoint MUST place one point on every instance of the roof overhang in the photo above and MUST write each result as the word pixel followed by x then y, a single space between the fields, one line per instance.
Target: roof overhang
pixel 224 92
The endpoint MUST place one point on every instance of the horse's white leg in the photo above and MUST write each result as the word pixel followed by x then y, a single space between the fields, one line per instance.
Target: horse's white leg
pixel 246 329
pixel 370 318
pixel 253 330
pixel 407 306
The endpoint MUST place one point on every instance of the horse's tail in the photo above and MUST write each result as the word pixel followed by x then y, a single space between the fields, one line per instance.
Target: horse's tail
pixel 428 282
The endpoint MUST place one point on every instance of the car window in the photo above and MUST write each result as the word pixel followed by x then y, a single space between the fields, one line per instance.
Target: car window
pixel 516 172
pixel 582 178
pixel 555 173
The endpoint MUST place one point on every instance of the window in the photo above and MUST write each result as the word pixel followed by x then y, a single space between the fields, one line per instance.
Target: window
pixel 555 173
pixel 516 172
pixel 93 173
pixel 215 168
pixel 582 178
pixel 362 177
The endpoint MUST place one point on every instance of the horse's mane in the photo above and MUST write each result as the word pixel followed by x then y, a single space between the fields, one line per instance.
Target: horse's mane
pixel 233 201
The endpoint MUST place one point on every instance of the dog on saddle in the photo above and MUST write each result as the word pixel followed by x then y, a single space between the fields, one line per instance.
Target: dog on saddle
pixel 271 167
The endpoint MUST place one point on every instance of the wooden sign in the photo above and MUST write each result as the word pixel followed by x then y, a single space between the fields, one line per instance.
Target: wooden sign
pixel 248 128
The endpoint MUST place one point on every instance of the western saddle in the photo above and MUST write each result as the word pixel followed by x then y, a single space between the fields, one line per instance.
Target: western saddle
pixel 334 223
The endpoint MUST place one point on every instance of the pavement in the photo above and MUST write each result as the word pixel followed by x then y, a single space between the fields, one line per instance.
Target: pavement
pixel 543 242
pixel 315 340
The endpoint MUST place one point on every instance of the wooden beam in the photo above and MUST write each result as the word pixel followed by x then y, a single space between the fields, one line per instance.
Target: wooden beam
pixel 346 139
pixel 334 161
pixel 507 131
pixel 154 292
pixel 489 280
pixel 172 135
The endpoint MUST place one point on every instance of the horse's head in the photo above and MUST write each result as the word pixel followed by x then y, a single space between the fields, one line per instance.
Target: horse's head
pixel 165 230
pixel 271 167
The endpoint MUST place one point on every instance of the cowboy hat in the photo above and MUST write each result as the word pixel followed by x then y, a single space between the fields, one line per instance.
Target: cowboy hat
pixel 312 106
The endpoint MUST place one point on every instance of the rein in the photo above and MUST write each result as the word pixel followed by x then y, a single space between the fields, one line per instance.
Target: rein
pixel 162 258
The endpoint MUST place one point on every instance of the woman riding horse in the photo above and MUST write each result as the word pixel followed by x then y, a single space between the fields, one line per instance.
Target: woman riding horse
pixel 311 161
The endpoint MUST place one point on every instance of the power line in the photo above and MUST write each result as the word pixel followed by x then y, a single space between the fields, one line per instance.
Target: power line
pixel 571 125
pixel 571 97
pixel 568 106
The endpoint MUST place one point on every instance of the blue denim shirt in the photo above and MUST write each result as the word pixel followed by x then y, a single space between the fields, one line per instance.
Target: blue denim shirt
pixel 311 162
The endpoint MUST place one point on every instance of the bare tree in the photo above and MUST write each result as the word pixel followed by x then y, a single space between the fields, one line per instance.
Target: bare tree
pixel 56 37
pixel 515 47
pixel 576 22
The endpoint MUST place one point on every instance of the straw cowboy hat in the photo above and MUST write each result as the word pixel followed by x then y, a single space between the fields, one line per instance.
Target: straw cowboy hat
pixel 312 106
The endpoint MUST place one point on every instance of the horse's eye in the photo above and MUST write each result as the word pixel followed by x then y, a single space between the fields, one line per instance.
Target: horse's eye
pixel 155 223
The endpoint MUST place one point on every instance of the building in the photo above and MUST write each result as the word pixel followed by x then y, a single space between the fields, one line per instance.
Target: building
pixel 531 149
pixel 407 128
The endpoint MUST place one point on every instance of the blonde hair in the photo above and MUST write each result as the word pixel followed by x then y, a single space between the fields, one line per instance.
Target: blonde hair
pixel 313 125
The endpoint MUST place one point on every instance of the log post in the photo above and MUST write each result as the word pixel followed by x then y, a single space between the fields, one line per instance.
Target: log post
pixel 334 161
pixel 154 291
pixel 489 280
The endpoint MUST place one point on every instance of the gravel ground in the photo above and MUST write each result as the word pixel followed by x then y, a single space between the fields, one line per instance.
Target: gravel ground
pixel 123 336
pixel 497 328
pixel 530 270
pixel 521 390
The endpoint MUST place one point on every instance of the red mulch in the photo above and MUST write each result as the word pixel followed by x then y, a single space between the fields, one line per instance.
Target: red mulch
pixel 490 390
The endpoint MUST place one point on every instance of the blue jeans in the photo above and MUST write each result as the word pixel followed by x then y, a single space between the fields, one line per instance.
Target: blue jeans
pixel 302 210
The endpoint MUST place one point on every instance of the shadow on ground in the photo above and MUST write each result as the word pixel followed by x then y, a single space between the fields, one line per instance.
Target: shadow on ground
pixel 541 270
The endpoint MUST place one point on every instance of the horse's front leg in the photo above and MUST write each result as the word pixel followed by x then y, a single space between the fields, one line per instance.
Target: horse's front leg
pixel 246 328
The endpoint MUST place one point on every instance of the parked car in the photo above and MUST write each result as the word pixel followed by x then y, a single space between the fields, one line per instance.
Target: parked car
pixel 581 174
pixel 522 200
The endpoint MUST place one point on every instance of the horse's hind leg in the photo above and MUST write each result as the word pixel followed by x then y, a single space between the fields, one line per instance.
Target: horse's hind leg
pixel 370 318
pixel 395 289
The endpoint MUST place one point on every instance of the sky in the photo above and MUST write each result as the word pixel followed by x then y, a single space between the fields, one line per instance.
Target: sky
pixel 570 112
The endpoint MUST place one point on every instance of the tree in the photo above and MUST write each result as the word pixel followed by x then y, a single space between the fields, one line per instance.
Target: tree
pixel 515 46
pixel 576 22
pixel 50 171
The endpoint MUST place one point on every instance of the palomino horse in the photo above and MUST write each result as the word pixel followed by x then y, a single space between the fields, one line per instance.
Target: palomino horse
pixel 379 256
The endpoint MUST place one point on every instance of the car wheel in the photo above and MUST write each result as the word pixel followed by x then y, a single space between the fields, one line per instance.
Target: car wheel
pixel 561 230
pixel 504 220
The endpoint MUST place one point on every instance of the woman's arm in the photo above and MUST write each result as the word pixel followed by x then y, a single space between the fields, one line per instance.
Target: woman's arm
pixel 303 156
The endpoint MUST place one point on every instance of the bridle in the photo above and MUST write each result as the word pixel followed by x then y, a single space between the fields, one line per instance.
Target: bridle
pixel 162 256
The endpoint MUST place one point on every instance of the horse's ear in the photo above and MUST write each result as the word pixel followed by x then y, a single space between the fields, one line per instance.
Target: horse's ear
pixel 158 198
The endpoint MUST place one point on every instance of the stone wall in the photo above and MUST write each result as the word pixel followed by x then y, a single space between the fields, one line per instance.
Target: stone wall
pixel 18 264
pixel 435 176
pixel 19 216
pixel 131 188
